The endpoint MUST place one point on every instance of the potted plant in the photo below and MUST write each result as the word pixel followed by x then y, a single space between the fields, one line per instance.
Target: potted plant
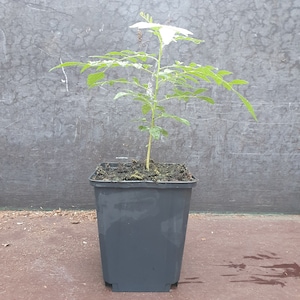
pixel 143 207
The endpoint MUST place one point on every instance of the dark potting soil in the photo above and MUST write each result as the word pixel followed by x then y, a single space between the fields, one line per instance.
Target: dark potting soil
pixel 136 171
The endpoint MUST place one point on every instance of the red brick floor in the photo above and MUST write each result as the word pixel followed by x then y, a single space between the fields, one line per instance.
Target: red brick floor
pixel 55 255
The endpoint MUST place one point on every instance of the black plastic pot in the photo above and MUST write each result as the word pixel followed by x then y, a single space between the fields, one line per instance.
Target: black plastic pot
pixel 142 228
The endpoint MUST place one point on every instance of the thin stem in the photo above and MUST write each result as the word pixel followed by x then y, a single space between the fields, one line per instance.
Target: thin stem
pixel 148 152
pixel 154 99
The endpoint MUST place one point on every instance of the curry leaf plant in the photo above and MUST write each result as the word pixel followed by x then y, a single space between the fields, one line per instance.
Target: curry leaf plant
pixel 182 80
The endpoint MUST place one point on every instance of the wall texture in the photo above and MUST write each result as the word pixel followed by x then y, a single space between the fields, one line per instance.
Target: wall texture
pixel 53 131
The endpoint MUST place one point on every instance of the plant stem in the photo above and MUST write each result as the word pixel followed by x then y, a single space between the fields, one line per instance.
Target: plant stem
pixel 155 95
pixel 148 152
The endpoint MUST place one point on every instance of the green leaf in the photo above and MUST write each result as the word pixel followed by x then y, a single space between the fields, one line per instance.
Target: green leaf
pixel 121 94
pixel 179 94
pixel 208 99
pixel 155 132
pixel 168 71
pixel 92 79
pixel 167 74
pixel 191 78
pixel 141 97
pixel 135 80
pixel 190 39
pixel 223 73
pixel 146 17
pixel 248 105
pixel 181 120
pixel 115 53
pixel 160 108
pixel 238 82
pixel 132 59
pixel 143 128
pixel 164 132
pixel 226 85
pixel 68 64
pixel 200 91
pixel 197 71
pixel 185 95
pixel 146 108
pixel 85 67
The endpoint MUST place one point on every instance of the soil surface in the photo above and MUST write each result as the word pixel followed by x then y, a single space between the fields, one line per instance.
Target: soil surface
pixel 136 171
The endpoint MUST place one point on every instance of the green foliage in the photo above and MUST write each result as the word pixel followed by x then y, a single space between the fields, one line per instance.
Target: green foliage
pixel 182 80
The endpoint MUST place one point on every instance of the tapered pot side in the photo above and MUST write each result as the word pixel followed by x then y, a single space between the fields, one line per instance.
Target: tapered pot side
pixel 142 229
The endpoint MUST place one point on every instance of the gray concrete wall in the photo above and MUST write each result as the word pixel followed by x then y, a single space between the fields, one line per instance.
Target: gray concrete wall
pixel 53 131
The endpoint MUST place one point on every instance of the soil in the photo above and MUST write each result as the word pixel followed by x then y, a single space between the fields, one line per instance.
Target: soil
pixel 136 171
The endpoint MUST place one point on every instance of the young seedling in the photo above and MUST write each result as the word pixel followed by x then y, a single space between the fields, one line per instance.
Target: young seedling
pixel 182 80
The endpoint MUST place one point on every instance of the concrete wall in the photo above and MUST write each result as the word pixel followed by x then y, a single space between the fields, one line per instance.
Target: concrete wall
pixel 53 131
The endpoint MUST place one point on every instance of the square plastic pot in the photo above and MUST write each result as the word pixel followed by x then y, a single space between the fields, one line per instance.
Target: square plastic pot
pixel 142 229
